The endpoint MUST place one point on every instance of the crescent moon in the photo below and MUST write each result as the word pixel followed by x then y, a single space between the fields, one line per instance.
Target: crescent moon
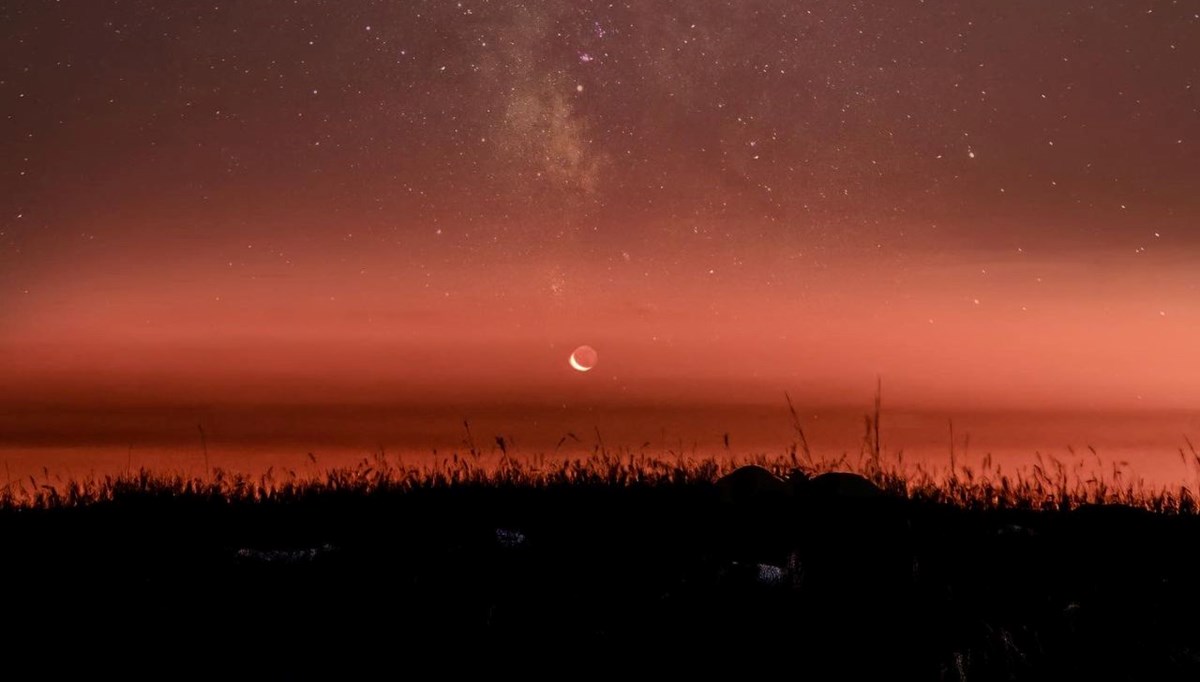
pixel 575 364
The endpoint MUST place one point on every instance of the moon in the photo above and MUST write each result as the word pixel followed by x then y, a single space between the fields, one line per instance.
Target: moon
pixel 583 358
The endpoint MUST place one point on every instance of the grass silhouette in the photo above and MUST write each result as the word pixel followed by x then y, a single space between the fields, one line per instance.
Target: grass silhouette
pixel 1049 484
pixel 1054 571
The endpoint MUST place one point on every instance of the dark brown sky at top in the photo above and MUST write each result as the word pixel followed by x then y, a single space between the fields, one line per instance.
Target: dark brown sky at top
pixel 995 203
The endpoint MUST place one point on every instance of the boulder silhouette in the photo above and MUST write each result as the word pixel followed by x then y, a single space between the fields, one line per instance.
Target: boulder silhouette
pixel 752 485
pixel 753 515
pixel 839 484
pixel 853 539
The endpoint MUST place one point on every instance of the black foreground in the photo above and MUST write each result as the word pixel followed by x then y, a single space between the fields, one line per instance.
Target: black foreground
pixel 828 582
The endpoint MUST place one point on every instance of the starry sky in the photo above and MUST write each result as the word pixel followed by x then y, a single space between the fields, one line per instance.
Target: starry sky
pixel 409 203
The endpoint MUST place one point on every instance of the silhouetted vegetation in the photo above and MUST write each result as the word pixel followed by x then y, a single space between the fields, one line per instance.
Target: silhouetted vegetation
pixel 1049 484
pixel 829 568
pixel 958 574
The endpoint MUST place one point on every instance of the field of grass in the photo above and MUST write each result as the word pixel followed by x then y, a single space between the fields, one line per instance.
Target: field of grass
pixel 610 561
pixel 1051 483
pixel 967 573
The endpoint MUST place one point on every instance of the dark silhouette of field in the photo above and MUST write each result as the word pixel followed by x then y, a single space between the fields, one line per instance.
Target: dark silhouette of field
pixel 603 565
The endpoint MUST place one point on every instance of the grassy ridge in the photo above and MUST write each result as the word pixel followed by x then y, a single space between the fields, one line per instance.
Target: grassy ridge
pixel 1049 484
pixel 608 562
pixel 612 560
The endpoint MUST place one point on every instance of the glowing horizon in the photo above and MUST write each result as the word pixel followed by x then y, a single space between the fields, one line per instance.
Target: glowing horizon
pixel 429 207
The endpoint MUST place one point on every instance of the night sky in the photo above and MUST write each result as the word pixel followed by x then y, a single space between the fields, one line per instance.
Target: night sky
pixel 342 203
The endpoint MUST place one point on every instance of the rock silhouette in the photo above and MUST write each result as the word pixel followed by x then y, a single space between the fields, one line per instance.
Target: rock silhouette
pixel 756 509
pixel 752 485
pixel 837 484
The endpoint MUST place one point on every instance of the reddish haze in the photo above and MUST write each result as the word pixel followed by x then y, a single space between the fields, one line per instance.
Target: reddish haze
pixel 297 223
pixel 1082 337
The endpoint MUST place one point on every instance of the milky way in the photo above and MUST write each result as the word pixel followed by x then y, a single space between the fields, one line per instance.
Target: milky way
pixel 434 202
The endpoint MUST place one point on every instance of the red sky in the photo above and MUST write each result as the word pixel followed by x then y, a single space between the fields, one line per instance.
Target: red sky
pixel 430 204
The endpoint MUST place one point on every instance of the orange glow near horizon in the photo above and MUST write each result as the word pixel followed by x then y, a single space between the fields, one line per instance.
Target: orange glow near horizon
pixel 323 224
pixel 823 335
